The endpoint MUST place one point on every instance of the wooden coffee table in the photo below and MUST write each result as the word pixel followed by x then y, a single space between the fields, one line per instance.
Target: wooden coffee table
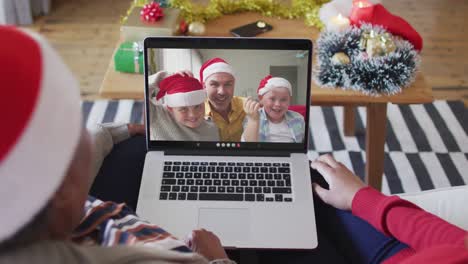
pixel 131 86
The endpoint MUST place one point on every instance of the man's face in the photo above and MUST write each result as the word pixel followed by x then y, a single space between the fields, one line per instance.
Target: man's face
pixel 190 116
pixel 220 90
pixel 276 103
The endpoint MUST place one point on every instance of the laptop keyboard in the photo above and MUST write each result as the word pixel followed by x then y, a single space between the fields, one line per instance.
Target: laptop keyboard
pixel 226 181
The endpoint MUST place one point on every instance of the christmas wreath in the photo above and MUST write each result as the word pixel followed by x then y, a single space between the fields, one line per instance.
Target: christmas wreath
pixel 366 59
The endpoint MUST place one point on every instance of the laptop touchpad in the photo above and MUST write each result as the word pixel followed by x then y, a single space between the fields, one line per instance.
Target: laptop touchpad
pixel 227 223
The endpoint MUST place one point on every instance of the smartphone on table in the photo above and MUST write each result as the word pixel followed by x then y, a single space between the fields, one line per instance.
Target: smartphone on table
pixel 252 29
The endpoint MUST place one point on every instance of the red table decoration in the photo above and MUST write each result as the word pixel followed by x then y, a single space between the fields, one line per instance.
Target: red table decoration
pixel 379 15
pixel 151 12
pixel 183 27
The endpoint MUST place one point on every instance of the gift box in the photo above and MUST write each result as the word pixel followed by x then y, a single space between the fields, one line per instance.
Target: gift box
pixel 134 29
pixel 129 57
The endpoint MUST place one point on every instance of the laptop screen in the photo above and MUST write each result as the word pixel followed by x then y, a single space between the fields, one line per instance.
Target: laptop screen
pixel 227 93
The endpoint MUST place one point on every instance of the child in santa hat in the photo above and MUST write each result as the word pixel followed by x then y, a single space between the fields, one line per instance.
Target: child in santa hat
pixel 270 120
pixel 178 111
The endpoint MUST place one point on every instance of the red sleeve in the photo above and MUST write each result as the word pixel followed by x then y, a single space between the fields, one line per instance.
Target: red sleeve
pixel 405 221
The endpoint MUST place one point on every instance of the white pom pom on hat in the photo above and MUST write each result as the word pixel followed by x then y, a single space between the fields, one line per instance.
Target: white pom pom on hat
pixel 270 82
pixel 40 107
pixel 215 65
pixel 180 91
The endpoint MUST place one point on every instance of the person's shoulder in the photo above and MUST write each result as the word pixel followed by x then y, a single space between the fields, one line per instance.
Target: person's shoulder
pixel 158 107
pixel 139 254
pixel 160 111
pixel 45 252
pixel 295 115
pixel 239 100
pixel 237 103
pixel 68 252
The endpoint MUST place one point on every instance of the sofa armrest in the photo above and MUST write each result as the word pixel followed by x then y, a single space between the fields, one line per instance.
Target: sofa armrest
pixel 450 204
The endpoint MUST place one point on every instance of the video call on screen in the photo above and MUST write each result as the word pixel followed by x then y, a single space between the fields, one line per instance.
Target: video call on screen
pixel 192 123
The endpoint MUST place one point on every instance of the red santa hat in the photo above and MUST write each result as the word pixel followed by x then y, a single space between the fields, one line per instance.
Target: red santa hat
pixel 270 82
pixel 41 116
pixel 179 91
pixel 379 15
pixel 214 65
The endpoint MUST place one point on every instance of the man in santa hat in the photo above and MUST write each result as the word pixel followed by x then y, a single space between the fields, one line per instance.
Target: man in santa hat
pixel 178 111
pixel 222 106
pixel 47 164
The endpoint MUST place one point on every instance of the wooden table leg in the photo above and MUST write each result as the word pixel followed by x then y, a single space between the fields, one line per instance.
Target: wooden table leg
pixel 376 128
pixel 349 122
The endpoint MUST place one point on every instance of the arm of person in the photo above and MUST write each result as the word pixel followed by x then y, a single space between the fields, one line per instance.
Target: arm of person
pixel 105 136
pixel 153 85
pixel 405 221
pixel 251 130
pixel 251 108
pixel 390 214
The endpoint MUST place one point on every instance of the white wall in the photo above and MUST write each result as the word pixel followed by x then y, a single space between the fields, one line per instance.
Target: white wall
pixel 173 60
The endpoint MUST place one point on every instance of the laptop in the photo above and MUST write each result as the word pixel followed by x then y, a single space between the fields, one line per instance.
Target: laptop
pixel 250 194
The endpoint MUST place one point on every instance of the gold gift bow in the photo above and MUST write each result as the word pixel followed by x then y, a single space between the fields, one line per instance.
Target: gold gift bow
pixel 384 39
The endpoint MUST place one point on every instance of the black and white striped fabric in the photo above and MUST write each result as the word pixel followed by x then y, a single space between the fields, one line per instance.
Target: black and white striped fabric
pixel 426 145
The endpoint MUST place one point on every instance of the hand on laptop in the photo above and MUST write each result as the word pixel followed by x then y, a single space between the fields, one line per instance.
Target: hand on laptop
pixel 185 73
pixel 343 183
pixel 206 244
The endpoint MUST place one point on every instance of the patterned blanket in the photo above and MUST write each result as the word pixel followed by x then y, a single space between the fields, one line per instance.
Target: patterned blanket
pixel 110 224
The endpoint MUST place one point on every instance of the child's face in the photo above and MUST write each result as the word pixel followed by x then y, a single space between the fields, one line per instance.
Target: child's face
pixel 276 103
pixel 190 116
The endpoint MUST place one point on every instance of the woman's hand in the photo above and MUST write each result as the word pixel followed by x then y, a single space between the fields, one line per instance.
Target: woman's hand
pixel 343 183
pixel 206 244
pixel 251 108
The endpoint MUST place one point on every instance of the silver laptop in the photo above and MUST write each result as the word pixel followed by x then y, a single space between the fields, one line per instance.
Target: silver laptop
pixel 250 194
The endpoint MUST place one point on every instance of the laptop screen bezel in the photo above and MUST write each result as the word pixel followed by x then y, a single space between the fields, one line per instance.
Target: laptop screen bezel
pixel 208 147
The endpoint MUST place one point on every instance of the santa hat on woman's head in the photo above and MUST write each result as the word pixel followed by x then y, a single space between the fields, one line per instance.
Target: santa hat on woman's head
pixel 214 65
pixel 270 82
pixel 40 110
pixel 179 91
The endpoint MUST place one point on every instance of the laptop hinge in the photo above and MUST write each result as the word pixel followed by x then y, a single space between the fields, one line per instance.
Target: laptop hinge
pixel 251 153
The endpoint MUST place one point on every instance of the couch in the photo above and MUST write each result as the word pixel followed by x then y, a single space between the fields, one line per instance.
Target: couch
pixel 449 203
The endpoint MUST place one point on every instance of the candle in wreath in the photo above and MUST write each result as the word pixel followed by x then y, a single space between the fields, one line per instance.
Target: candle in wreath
pixel 361 8
pixel 361 3
pixel 338 23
